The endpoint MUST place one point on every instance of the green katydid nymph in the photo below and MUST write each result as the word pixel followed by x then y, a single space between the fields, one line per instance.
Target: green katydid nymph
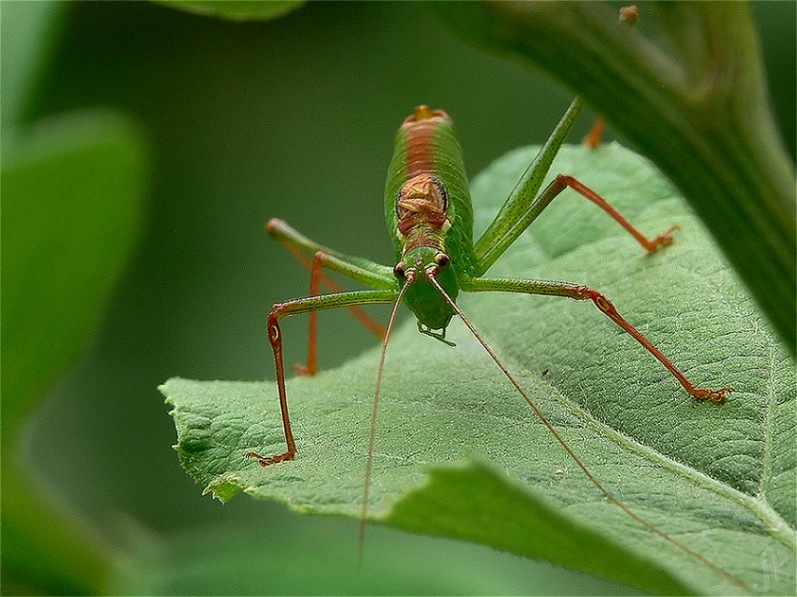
pixel 430 219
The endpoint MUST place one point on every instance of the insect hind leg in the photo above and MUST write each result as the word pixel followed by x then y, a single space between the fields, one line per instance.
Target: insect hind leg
pixel 580 292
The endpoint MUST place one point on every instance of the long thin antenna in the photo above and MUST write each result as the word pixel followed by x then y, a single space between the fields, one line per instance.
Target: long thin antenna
pixel 430 275
pixel 410 278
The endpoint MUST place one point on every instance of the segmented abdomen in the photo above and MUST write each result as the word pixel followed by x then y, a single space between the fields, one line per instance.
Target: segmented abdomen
pixel 420 129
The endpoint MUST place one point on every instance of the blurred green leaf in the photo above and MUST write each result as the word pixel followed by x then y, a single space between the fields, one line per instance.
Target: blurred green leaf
pixel 237 10
pixel 72 197
pixel 28 35
pixel 72 192
pixel 322 560
pixel 692 95
pixel 719 478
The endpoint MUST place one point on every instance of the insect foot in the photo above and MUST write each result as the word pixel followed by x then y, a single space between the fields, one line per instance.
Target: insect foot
pixel 269 460
pixel 663 240
pixel 717 396
pixel 303 370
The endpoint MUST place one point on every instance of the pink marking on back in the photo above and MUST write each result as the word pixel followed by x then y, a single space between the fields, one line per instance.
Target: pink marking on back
pixel 420 129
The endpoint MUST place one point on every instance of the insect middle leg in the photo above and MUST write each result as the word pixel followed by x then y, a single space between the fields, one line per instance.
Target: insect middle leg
pixel 304 305
pixel 582 293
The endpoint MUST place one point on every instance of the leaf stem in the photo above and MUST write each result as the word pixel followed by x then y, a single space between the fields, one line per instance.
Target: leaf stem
pixel 694 100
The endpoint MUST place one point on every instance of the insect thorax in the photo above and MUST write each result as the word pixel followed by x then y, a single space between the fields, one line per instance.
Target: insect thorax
pixel 421 207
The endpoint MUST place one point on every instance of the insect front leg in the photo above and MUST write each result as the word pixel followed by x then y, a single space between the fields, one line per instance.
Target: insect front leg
pixel 305 305
pixel 580 292
pixel 355 268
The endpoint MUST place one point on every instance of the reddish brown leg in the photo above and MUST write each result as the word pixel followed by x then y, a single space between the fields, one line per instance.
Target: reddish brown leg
pixel 311 366
pixel 593 138
pixel 275 337
pixel 605 305
pixel 583 293
pixel 317 276
pixel 563 181
pixel 306 305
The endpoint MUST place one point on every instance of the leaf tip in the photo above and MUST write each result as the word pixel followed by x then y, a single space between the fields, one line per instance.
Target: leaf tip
pixel 223 489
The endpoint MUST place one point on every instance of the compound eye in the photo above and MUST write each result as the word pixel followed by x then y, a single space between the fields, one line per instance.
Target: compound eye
pixel 442 260
pixel 398 271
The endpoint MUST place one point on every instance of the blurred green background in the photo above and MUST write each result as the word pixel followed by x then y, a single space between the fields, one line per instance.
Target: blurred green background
pixel 241 122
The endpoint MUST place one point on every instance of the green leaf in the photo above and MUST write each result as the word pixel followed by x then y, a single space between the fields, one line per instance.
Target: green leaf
pixel 458 452
pixel 238 10
pixel 317 556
